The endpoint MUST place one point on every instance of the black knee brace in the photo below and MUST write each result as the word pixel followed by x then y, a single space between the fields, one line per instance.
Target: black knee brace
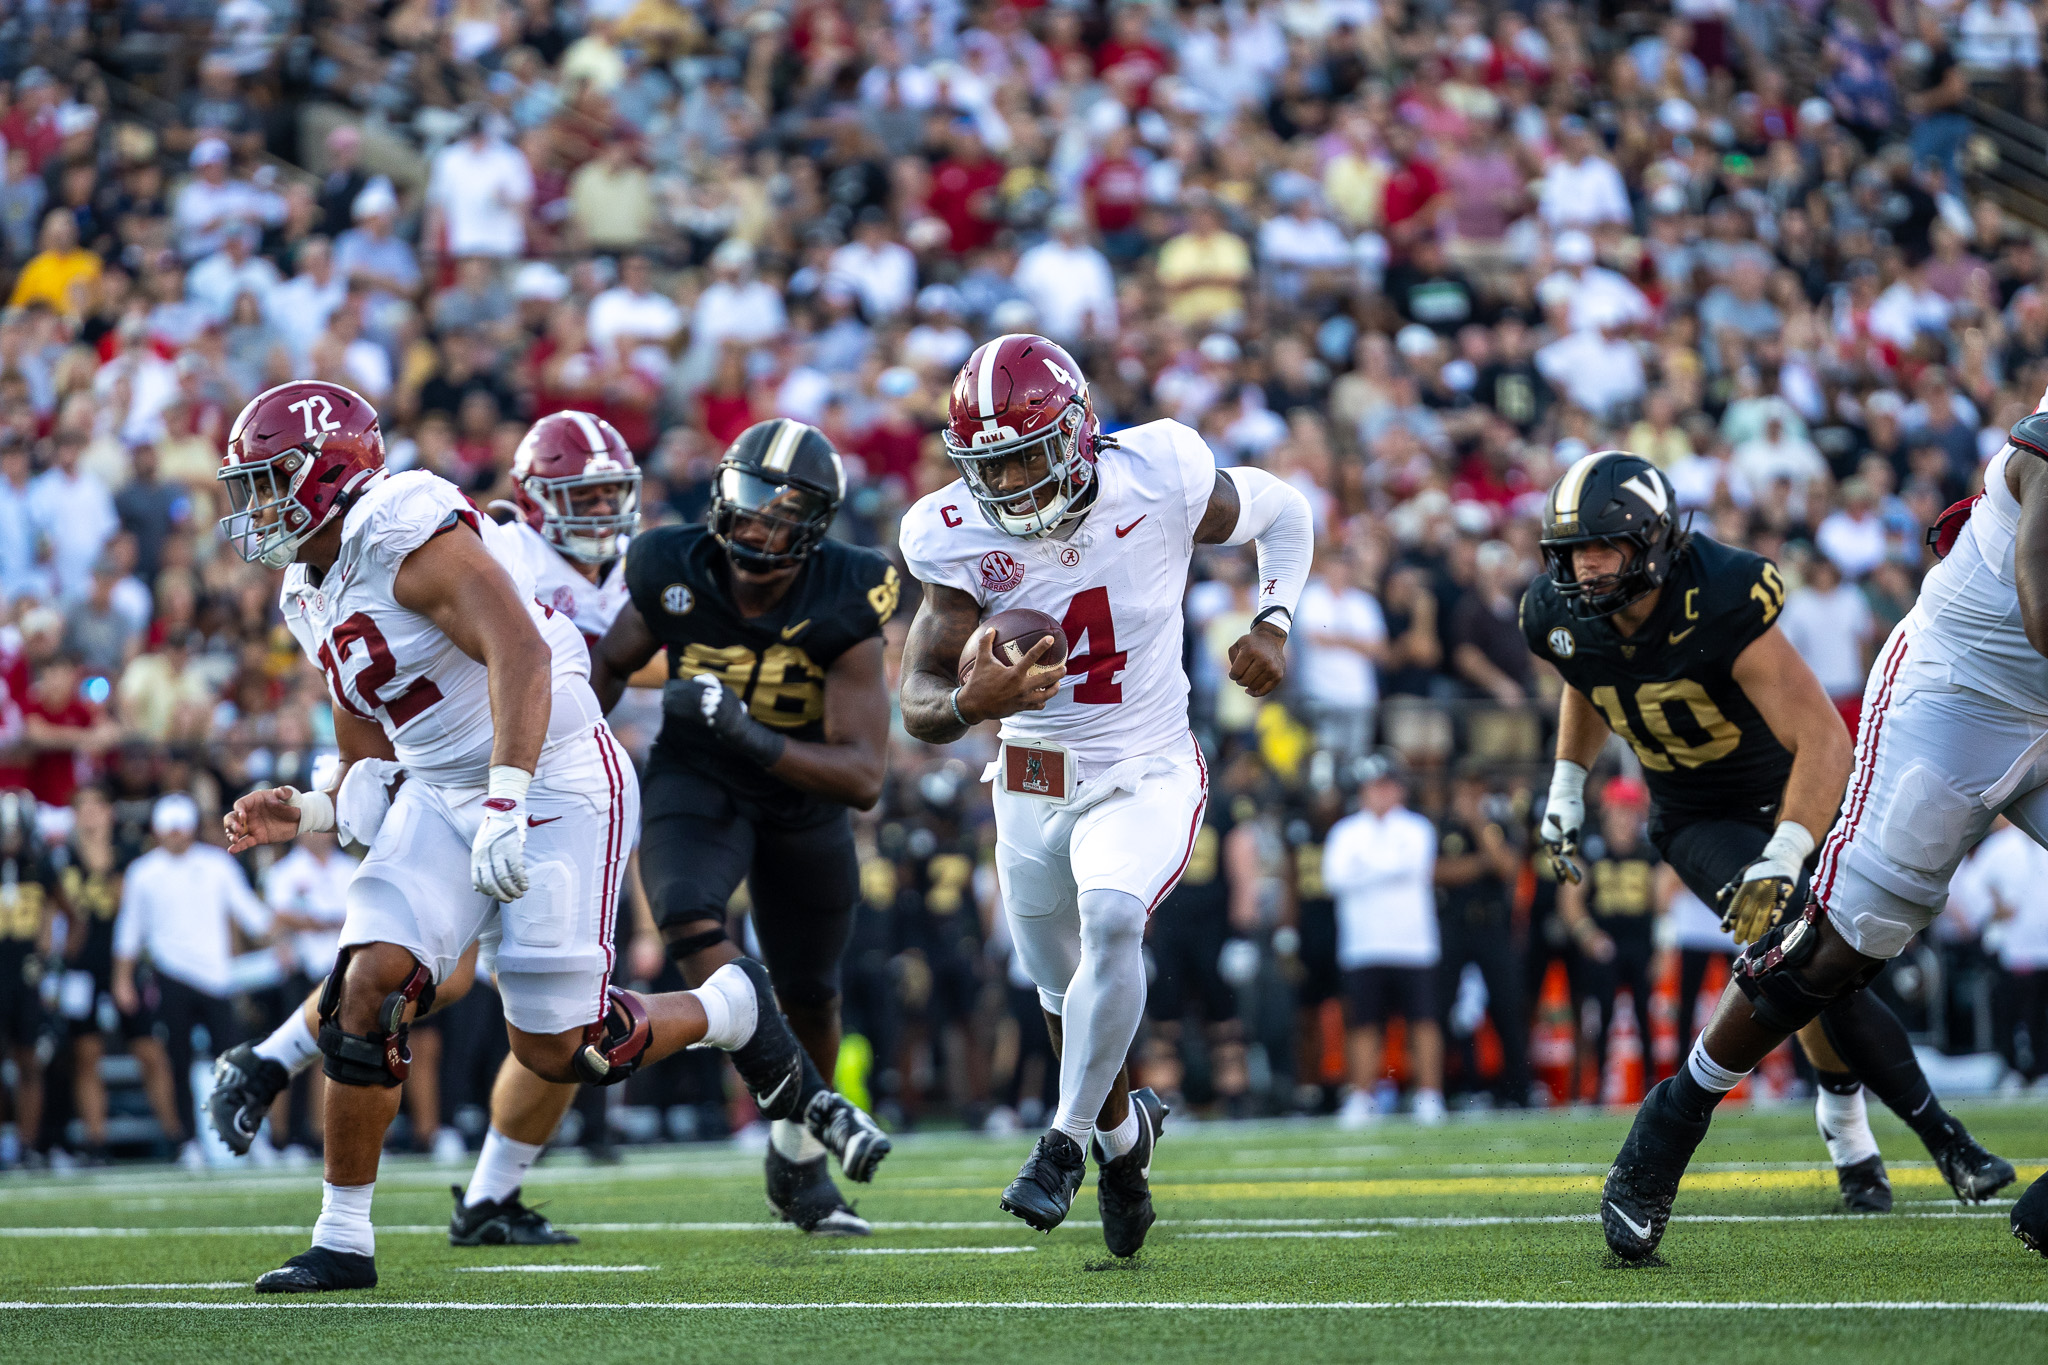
pixel 379 1058
pixel 688 942
pixel 1772 974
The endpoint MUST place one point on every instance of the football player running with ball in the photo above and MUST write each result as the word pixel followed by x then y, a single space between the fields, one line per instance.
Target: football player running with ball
pixel 510 829
pixel 1100 787
pixel 1670 640
pixel 775 728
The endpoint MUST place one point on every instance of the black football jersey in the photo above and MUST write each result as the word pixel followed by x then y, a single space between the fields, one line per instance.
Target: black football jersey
pixel 1621 888
pixel 1669 689
pixel 681 585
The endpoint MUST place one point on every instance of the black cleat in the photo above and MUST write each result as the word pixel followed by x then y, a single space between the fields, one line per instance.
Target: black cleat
pixel 502 1223
pixel 2030 1217
pixel 857 1140
pixel 1973 1173
pixel 1635 1203
pixel 1044 1189
pixel 1121 1188
pixel 770 1063
pixel 320 1271
pixel 244 1085
pixel 802 1192
pixel 1865 1187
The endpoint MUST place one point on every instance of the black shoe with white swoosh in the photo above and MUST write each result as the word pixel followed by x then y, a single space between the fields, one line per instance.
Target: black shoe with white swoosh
pixel 1635 1204
pixel 1123 1188
pixel 1865 1186
pixel 320 1271
pixel 771 1062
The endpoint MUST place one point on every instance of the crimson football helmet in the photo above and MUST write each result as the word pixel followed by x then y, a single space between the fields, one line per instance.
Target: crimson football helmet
pixel 1022 433
pixel 295 456
pixel 562 469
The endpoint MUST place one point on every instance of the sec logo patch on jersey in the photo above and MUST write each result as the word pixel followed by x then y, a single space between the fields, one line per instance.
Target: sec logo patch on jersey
pixel 1562 644
pixel 677 599
pixel 1000 571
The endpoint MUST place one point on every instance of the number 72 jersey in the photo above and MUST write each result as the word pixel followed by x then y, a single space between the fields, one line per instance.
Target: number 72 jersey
pixel 1669 689
pixel 1115 585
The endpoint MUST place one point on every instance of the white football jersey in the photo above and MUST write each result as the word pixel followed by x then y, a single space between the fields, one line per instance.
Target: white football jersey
pixel 558 583
pixel 1115 585
pixel 1968 615
pixel 386 663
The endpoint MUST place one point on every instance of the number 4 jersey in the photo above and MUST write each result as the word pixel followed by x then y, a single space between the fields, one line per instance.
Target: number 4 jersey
pixel 1115 585
pixel 1669 689
pixel 389 664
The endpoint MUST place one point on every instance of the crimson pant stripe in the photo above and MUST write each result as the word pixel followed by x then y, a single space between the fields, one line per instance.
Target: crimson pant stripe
pixel 607 894
pixel 1194 828
pixel 1860 782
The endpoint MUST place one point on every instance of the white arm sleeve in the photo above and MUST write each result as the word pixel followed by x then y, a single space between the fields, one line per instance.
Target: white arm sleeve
pixel 1277 517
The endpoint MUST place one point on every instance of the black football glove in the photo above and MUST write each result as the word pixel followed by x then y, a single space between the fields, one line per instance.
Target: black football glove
pixel 706 705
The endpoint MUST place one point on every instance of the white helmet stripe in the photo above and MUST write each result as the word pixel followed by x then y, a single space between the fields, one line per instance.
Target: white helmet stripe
pixel 985 384
pixel 590 432
pixel 782 449
pixel 1566 505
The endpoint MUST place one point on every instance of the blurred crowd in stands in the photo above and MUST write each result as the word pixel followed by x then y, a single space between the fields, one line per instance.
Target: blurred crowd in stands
pixel 1415 257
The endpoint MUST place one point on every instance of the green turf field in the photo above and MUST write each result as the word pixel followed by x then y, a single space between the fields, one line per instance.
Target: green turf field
pixel 1277 1242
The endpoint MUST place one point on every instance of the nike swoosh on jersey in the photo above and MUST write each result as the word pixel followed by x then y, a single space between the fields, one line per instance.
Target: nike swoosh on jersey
pixel 1678 635
pixel 1123 531
pixel 533 820
pixel 791 632
pixel 1641 1230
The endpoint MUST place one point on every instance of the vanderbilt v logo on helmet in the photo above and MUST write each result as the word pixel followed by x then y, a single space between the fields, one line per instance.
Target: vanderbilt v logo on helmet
pixel 1619 499
pixel 782 477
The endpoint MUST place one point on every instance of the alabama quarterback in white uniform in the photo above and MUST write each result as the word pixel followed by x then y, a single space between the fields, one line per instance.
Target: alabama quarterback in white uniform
pixel 1954 734
pixel 1099 784
pixel 510 827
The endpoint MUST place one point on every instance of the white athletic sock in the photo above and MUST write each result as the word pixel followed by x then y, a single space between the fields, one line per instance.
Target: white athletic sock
pixel 291 1044
pixel 1120 1139
pixel 731 1010
pixel 501 1168
pixel 344 1223
pixel 1710 1073
pixel 1845 1123
pixel 794 1140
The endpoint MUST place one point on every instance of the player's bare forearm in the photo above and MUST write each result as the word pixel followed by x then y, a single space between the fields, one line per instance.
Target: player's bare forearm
pixel 931 660
pixel 1793 703
pixel 2027 477
pixel 1581 729
pixel 622 653
pixel 849 766
pixel 453 582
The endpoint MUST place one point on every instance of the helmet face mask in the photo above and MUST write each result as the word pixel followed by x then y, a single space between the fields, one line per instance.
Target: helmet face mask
pixel 266 524
pixel 570 525
pixel 1022 434
pixel 1026 485
pixel 296 456
pixel 774 495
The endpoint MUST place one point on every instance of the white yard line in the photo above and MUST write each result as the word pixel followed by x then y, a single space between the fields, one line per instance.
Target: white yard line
pixel 549 1269
pixel 930 1251
pixel 182 1284
pixel 1012 1305
pixel 1338 1234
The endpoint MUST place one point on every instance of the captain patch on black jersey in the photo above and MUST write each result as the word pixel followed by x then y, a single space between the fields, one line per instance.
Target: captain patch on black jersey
pixel 682 587
pixel 1669 689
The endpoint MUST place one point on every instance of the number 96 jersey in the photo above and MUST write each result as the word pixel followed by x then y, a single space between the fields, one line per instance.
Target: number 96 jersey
pixel 1115 586
pixel 1669 689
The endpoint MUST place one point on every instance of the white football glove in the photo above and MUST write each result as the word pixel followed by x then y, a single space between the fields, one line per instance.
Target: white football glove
pixel 1755 901
pixel 1563 813
pixel 497 856
pixel 364 799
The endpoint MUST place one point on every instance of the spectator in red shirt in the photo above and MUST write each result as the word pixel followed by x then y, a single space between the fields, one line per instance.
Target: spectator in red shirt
pixel 964 193
pixel 726 407
pixel 1415 191
pixel 31 126
pixel 66 733
pixel 1129 57
pixel 1115 187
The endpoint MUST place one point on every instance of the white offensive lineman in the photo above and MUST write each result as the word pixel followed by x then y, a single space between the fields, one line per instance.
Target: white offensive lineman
pixel 1954 734
pixel 510 828
pixel 1099 786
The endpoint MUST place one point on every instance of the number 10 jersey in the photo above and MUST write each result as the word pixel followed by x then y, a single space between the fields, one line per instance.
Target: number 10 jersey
pixel 1670 690
pixel 1115 585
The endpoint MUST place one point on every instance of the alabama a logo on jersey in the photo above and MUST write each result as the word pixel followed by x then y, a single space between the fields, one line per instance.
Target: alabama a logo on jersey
pixel 1000 571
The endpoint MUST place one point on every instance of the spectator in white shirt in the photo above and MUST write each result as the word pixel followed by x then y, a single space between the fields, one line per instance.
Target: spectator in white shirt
pixel 1581 188
pixel 1776 453
pixel 882 270
pixel 74 514
pixel 1998 35
pixel 211 203
pixel 133 389
pixel 216 282
pixel 1301 251
pixel 1853 535
pixel 1829 623
pixel 733 307
pixel 301 307
pixel 1068 282
pixel 178 902
pixel 2008 871
pixel 938 343
pixel 1380 864
pixel 1342 635
pixel 633 314
pixel 1597 298
pixel 478 191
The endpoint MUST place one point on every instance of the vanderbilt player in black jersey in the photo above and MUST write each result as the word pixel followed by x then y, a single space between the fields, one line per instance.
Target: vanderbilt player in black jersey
pixel 775 727
pixel 1669 640
pixel 28 902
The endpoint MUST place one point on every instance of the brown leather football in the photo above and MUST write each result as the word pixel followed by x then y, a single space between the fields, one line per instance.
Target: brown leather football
pixel 1016 631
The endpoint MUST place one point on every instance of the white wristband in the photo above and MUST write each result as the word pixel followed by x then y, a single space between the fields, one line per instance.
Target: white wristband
pixel 316 811
pixel 507 780
pixel 1790 841
pixel 1568 780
